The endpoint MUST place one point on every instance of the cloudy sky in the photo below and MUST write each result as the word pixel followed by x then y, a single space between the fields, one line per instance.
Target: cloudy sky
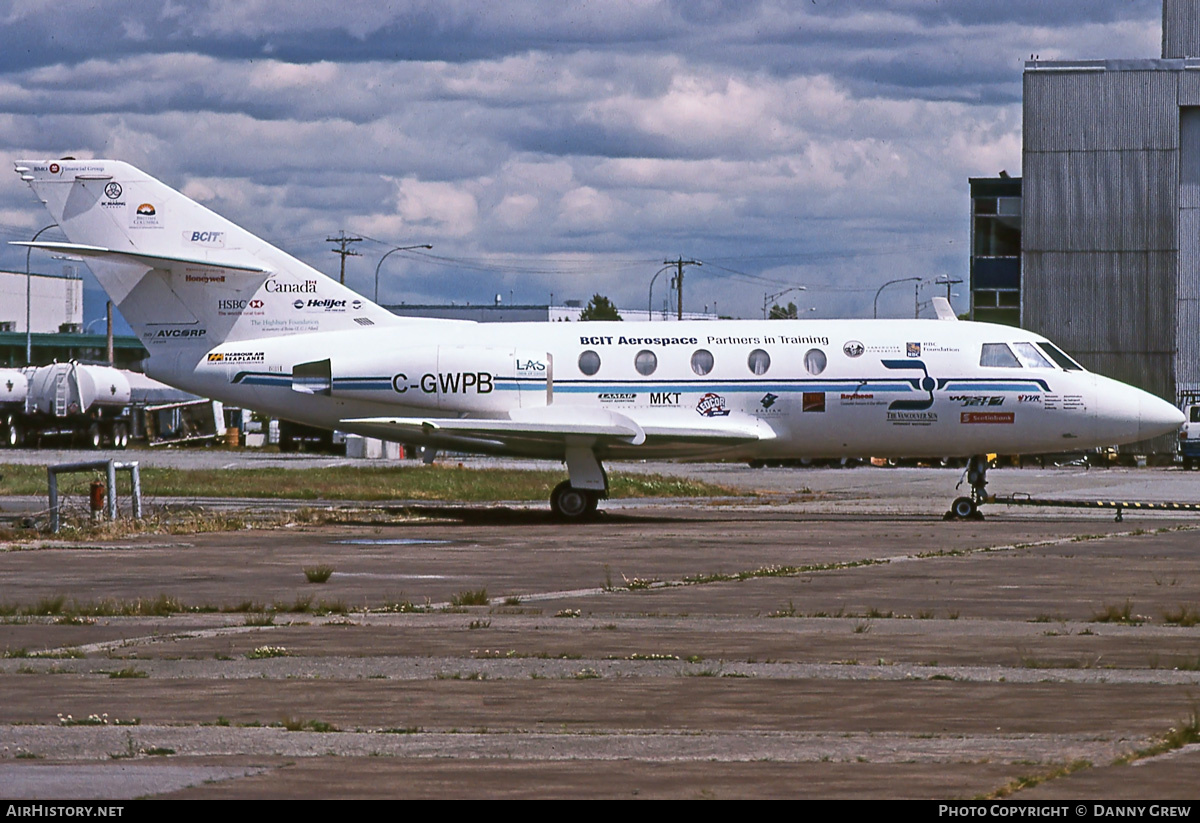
pixel 559 148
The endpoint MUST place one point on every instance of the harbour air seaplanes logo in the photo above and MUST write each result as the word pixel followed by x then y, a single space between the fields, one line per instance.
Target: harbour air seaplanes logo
pixel 712 405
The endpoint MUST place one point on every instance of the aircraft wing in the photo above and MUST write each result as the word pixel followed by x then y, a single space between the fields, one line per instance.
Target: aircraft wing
pixel 560 425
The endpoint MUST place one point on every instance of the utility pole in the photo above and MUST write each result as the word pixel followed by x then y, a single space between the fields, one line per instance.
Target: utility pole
pixel 677 280
pixel 345 251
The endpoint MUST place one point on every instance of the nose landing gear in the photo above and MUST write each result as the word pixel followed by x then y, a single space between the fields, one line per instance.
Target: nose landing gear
pixel 967 508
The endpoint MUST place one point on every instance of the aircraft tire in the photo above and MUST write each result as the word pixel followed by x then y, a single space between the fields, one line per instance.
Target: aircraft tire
pixel 120 436
pixel 95 438
pixel 964 508
pixel 12 435
pixel 570 503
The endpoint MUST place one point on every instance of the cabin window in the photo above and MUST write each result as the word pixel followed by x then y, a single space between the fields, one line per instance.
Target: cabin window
pixel 814 361
pixel 702 361
pixel 589 362
pixel 998 355
pixel 1030 357
pixel 1057 355
pixel 645 362
pixel 759 361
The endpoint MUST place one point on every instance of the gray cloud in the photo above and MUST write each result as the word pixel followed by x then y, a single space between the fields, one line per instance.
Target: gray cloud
pixel 566 148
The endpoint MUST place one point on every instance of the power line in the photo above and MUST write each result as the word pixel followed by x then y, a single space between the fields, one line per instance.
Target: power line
pixel 345 250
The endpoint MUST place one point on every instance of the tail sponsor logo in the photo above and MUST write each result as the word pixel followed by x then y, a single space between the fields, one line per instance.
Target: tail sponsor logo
pixel 276 287
pixel 145 216
pixel 321 304
pixel 113 191
pixel 163 335
pixel 204 278
pixel 211 239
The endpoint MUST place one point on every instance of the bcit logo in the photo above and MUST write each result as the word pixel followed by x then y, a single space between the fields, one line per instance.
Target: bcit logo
pixel 712 405
pixel 912 349
pixel 213 239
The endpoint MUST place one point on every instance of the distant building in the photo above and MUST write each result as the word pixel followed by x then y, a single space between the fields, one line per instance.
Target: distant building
pixel 55 301
pixel 996 250
pixel 56 321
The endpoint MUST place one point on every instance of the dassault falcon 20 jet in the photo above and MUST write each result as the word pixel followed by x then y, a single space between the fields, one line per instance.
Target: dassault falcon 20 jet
pixel 228 316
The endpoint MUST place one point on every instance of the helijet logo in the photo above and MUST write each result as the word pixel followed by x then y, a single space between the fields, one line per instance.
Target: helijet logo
pixel 323 304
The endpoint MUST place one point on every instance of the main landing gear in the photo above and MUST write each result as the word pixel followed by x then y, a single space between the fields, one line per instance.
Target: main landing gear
pixel 576 499
pixel 967 508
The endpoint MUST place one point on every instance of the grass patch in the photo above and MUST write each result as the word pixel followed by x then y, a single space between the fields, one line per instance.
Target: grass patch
pixel 1122 614
pixel 407 482
pixel 318 574
pixel 1029 781
pixel 477 597
pixel 127 672
pixel 1183 616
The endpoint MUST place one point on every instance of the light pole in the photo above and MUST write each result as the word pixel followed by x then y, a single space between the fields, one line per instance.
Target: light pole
pixel 385 257
pixel 767 298
pixel 650 296
pixel 28 297
pixel 875 313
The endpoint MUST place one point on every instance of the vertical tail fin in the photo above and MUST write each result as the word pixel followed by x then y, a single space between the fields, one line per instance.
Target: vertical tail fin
pixel 181 274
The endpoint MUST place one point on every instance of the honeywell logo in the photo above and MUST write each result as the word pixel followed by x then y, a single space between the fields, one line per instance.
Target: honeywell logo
pixel 204 278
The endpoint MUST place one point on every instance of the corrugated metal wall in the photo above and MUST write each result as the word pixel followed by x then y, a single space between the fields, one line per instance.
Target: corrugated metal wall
pixel 1100 239
pixel 1187 308
pixel 1181 29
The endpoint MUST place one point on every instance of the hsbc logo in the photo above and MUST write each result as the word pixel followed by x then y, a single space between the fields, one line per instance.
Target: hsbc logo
pixel 256 304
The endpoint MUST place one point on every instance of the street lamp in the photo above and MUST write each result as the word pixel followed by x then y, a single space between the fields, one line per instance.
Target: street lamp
pixel 28 296
pixel 650 296
pixel 875 313
pixel 385 257
pixel 767 298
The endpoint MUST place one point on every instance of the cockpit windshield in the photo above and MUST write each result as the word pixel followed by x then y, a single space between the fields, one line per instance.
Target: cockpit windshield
pixel 1025 355
pixel 1059 357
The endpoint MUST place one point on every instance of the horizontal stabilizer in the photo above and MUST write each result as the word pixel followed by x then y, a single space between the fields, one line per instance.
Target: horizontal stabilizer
pixel 157 261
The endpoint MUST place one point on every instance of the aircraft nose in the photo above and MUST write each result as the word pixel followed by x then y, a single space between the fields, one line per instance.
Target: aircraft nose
pixel 1156 417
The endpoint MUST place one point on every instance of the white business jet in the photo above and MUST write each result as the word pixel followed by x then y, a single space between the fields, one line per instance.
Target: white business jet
pixel 226 315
